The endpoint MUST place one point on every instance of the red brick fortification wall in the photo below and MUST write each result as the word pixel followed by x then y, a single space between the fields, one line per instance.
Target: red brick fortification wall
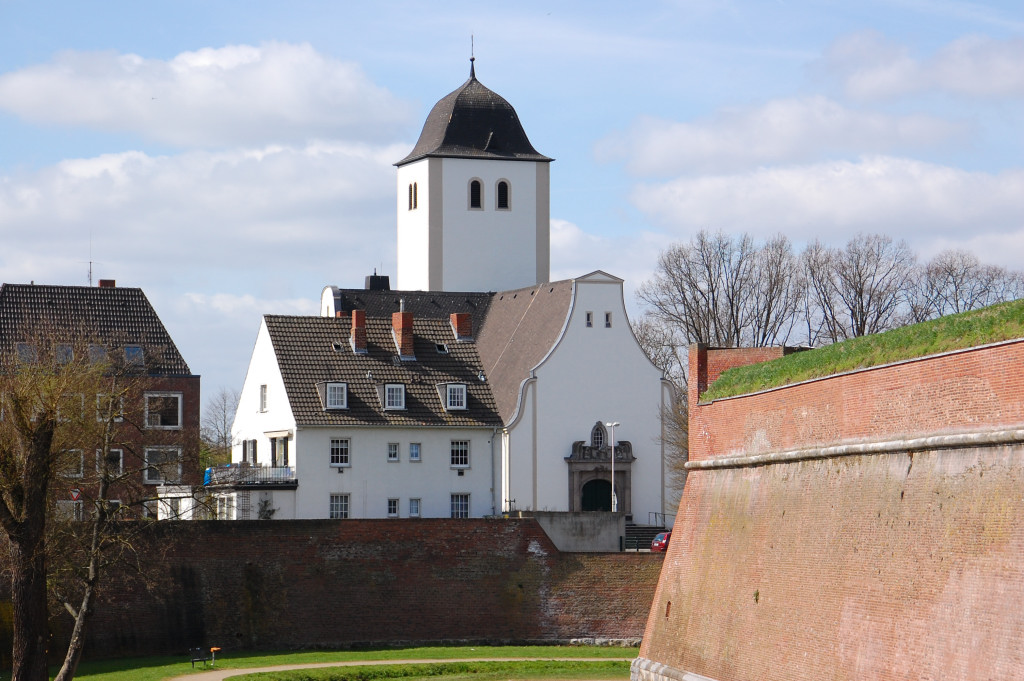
pixel 863 526
pixel 298 584
pixel 877 567
pixel 970 390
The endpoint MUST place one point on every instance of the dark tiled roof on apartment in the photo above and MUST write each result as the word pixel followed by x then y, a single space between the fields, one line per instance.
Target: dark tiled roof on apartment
pixel 316 349
pixel 422 304
pixel 111 316
pixel 473 122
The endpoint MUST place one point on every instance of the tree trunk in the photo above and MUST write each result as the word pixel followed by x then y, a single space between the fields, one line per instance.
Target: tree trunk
pixel 28 584
pixel 77 642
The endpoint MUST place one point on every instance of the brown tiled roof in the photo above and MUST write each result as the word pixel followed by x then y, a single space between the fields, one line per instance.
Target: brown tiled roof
pixel 513 330
pixel 520 329
pixel 111 316
pixel 316 349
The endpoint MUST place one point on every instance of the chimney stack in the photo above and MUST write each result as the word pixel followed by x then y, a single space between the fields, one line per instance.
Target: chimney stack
pixel 401 331
pixel 462 325
pixel 107 283
pixel 357 339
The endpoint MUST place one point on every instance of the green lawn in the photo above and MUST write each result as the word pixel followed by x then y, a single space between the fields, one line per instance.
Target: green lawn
pixel 158 668
pixel 953 332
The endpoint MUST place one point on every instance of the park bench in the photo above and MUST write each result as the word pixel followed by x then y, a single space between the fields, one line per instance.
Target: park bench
pixel 201 655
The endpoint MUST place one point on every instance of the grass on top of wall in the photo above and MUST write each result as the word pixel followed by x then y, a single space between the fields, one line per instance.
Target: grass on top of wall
pixel 612 670
pixel 1001 322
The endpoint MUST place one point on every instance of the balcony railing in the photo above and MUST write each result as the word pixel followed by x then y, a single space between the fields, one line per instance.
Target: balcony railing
pixel 237 475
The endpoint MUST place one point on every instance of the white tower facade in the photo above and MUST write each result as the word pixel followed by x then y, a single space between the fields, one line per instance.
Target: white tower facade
pixel 474 199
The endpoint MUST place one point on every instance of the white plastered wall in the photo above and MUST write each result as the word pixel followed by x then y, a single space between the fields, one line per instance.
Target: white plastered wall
pixel 592 374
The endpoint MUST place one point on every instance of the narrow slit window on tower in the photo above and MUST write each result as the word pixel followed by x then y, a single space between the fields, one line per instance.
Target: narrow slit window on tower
pixel 502 195
pixel 476 194
pixel 414 196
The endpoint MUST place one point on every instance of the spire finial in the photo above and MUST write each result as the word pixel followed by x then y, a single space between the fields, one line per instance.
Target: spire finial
pixel 472 58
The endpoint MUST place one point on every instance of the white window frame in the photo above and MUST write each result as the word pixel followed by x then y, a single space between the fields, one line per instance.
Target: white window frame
pixel 497 195
pixel 394 396
pixel 455 396
pixel 393 507
pixel 263 398
pixel 340 452
pixel 414 508
pixel 149 470
pixel 181 401
pixel 393 452
pixel 415 451
pixel 462 510
pixel 469 194
pixel 70 510
pixel 331 395
pixel 339 507
pixel 119 466
pixel 459 458
pixel 118 417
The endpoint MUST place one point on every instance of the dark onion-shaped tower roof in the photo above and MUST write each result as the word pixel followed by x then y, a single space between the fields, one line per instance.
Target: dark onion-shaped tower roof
pixel 473 122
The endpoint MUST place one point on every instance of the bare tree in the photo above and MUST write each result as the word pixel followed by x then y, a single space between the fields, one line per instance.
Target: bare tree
pixel 860 289
pixel 215 433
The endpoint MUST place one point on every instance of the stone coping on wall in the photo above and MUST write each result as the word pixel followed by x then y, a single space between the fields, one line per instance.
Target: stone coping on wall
pixel 642 669
pixel 988 438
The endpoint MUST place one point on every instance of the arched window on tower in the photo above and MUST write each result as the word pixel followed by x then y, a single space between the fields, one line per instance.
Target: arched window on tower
pixel 502 195
pixel 476 194
pixel 597 435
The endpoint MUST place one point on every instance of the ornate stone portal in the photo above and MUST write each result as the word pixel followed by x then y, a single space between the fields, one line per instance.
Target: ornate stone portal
pixel 590 473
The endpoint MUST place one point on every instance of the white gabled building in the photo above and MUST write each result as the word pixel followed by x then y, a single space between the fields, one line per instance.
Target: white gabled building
pixel 544 365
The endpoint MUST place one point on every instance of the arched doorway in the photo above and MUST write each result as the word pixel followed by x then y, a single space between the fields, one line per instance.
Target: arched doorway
pixel 597 496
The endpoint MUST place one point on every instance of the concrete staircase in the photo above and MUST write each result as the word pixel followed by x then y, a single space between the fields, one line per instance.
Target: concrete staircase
pixel 639 537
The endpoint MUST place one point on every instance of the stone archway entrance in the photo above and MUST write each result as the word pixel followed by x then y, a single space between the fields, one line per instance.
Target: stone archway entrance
pixel 597 496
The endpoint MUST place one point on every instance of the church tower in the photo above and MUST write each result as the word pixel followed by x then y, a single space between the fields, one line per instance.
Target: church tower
pixel 474 199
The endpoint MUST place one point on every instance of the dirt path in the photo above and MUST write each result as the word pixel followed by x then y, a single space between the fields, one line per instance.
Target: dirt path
pixel 222 674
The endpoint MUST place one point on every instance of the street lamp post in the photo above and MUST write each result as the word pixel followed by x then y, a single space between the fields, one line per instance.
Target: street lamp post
pixel 615 500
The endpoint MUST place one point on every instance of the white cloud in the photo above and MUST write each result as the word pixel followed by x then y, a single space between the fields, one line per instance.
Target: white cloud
pixel 909 199
pixel 873 67
pixel 214 97
pixel 783 130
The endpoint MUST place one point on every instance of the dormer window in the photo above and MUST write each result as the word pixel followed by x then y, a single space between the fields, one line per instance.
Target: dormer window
pixel 455 396
pixel 65 353
pixel 394 396
pixel 476 194
pixel 133 355
pixel 337 396
pixel 502 195
pixel 597 436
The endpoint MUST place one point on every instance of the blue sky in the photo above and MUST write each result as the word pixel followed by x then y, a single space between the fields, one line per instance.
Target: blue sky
pixel 233 158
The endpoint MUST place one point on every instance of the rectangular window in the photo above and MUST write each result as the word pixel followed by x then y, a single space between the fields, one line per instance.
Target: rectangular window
pixel 392 451
pixel 263 397
pixel 460 453
pixel 339 452
pixel 97 353
pixel 607 320
pixel 163 464
pixel 74 463
pixel 460 505
pixel 163 411
pixel 392 508
pixel 339 506
pixel 109 408
pixel 337 395
pixel 590 319
pixel 65 353
pixel 414 451
pixel 414 508
pixel 174 508
pixel 133 356
pixel 70 510
pixel 26 353
pixel 394 396
pixel 114 463
pixel 456 396
pixel 226 507
pixel 278 451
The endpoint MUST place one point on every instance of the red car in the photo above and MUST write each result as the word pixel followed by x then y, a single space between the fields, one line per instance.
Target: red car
pixel 660 542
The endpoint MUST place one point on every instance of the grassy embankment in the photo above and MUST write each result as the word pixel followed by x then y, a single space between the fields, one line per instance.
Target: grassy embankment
pixel 953 332
pixel 454 663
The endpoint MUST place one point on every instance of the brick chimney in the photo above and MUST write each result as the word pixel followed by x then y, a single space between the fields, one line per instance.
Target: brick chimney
pixel 401 331
pixel 462 325
pixel 107 283
pixel 357 338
